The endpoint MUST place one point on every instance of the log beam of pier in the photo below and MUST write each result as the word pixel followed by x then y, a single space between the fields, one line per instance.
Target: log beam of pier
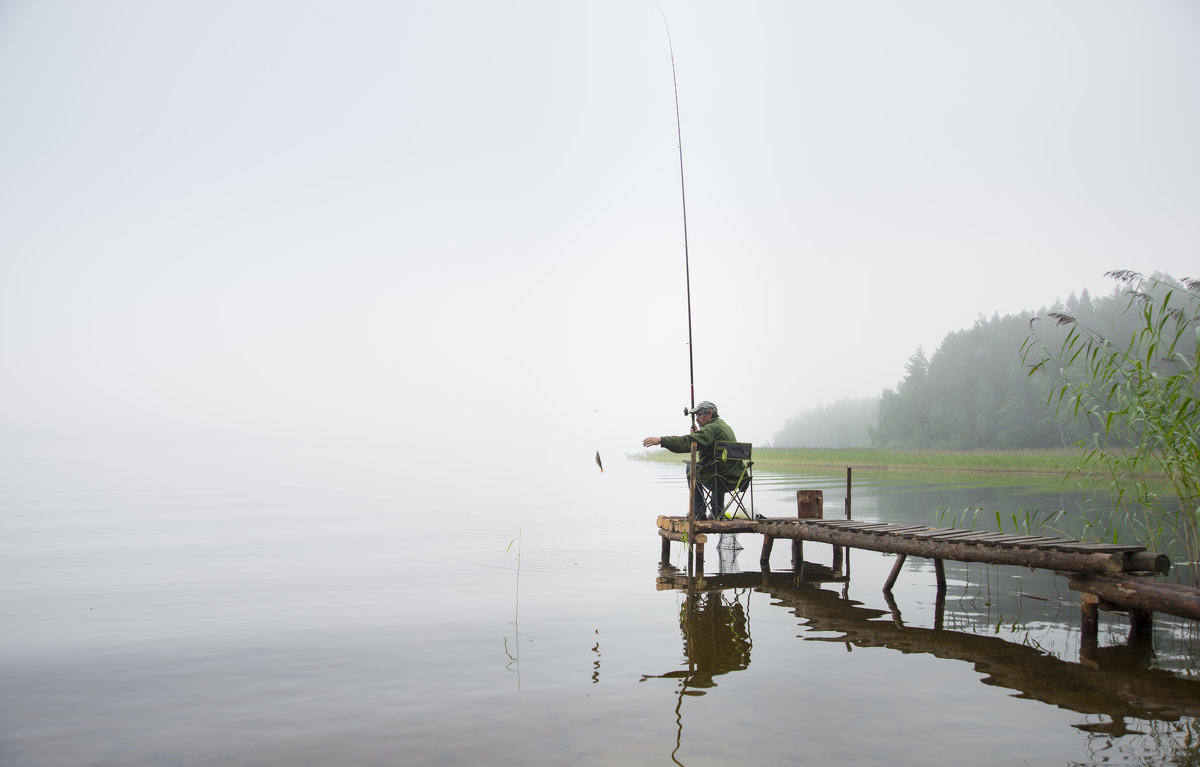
pixel 699 538
pixel 1134 592
pixel 1147 562
pixel 680 525
pixel 1050 559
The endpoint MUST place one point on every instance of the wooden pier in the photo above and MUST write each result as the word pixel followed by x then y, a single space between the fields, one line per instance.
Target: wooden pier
pixel 1112 577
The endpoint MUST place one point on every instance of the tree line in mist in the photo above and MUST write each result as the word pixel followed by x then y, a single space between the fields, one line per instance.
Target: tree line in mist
pixel 973 392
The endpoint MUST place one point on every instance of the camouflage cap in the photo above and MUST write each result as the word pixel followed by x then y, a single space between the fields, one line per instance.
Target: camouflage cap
pixel 702 406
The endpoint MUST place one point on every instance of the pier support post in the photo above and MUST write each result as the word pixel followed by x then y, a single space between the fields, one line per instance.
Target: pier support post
pixel 797 552
pixel 939 571
pixel 764 558
pixel 700 560
pixel 896 568
pixel 666 551
pixel 1140 622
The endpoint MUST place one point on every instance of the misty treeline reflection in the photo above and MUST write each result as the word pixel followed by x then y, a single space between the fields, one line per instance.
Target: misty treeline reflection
pixel 1128 705
pixel 973 392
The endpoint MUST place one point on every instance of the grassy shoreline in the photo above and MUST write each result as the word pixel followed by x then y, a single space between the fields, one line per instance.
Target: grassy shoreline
pixel 1002 461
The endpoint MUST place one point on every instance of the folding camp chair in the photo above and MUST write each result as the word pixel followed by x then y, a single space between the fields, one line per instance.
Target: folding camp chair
pixel 735 491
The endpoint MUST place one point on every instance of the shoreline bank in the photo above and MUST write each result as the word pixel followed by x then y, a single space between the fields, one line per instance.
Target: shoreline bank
pixel 1051 462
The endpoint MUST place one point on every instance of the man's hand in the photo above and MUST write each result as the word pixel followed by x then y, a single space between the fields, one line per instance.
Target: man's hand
pixel 651 441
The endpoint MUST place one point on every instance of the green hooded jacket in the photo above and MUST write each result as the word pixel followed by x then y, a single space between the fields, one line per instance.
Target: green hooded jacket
pixel 706 439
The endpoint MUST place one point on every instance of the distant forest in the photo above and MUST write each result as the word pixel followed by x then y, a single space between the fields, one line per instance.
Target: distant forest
pixel 972 393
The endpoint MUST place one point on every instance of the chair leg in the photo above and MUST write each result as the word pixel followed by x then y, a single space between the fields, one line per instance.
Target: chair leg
pixel 738 499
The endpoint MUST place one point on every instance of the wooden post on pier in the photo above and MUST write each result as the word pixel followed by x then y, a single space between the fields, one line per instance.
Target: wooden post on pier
pixel 810 504
pixel 848 493
pixel 848 516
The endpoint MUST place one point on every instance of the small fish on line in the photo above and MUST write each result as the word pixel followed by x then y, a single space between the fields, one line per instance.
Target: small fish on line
pixel 598 462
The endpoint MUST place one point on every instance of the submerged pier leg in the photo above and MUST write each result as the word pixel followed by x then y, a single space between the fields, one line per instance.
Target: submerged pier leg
pixel 666 551
pixel 896 568
pixel 939 570
pixel 1089 625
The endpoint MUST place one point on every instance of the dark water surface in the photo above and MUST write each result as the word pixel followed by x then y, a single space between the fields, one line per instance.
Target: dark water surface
pixel 174 606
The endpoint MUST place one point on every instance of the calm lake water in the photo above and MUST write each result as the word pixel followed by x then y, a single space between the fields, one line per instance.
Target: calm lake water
pixel 202 606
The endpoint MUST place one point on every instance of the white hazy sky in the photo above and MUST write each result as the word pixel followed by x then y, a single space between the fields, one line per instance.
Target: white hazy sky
pixel 461 220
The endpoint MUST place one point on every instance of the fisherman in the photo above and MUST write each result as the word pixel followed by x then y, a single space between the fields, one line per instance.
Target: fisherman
pixel 718 476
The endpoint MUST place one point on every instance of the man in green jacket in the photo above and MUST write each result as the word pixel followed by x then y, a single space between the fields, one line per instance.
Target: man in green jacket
pixel 717 476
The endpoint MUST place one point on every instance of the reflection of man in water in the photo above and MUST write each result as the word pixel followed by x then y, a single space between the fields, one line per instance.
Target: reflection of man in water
pixel 717 476
pixel 716 639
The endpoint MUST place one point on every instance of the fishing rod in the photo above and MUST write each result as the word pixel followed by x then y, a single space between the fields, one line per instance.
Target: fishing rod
pixel 687 272
pixel 687 269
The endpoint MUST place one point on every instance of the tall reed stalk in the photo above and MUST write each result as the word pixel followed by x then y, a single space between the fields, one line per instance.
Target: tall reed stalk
pixel 1142 399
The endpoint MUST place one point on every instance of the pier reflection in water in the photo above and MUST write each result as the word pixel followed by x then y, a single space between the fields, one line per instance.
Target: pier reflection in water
pixel 1118 689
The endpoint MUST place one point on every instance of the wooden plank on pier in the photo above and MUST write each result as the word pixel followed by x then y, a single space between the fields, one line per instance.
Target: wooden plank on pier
pixel 1051 543
pixel 904 529
pixel 1024 541
pixel 1105 547
pixel 943 534
pixel 995 537
pixel 847 524
pixel 866 528
pixel 972 536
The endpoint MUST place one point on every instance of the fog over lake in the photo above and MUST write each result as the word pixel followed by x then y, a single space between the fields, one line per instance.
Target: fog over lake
pixel 385 220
